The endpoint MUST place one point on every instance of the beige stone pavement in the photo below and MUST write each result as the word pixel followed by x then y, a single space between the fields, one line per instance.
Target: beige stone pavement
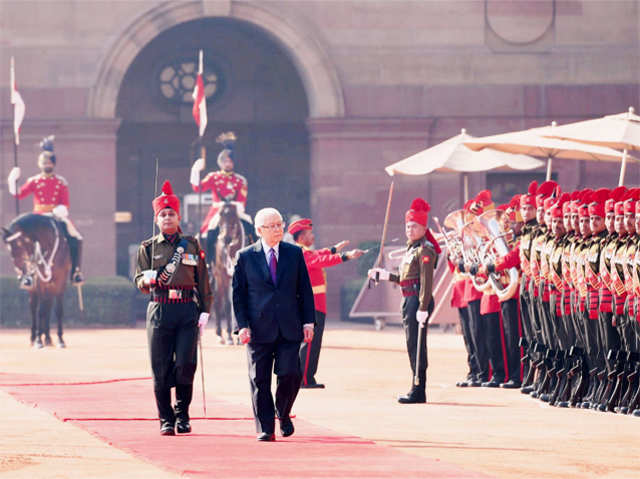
pixel 501 433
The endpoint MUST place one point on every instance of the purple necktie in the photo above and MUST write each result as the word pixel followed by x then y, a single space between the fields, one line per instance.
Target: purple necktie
pixel 273 264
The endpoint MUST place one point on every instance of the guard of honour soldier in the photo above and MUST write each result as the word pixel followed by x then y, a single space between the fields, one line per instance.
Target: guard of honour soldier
pixel 570 336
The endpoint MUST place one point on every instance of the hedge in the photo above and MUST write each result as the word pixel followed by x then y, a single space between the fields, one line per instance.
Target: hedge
pixel 108 301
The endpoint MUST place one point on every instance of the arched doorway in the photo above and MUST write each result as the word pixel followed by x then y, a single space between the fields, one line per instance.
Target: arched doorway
pixel 255 91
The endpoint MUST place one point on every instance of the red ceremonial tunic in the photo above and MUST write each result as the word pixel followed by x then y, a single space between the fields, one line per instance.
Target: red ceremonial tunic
pixel 470 293
pixel 457 290
pixel 316 261
pixel 222 185
pixel 48 191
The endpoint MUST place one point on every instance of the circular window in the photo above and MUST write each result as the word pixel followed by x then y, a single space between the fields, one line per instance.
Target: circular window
pixel 177 80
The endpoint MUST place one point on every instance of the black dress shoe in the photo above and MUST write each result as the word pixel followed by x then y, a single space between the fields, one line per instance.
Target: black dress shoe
pixel 462 384
pixel 286 427
pixel 266 437
pixel 183 427
pixel 312 386
pixel 511 384
pixel 491 384
pixel 167 429
pixel 413 398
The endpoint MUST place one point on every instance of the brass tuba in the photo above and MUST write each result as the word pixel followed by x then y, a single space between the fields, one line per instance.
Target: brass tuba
pixel 474 239
pixel 504 283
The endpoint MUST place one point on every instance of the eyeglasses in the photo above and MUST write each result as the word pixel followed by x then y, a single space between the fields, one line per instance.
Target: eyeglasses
pixel 273 227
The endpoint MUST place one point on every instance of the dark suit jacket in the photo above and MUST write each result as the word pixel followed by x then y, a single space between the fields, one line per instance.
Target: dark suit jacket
pixel 265 307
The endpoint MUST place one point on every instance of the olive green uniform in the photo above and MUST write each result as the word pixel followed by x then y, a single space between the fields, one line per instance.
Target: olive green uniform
pixel 416 282
pixel 172 318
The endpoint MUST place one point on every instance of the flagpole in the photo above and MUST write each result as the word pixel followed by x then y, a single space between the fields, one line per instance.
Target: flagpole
pixel 16 139
pixel 203 150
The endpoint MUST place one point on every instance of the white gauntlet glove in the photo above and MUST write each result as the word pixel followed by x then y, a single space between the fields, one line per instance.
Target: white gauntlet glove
pixel 12 180
pixel 378 274
pixel 197 167
pixel 422 317
pixel 61 211
pixel 203 320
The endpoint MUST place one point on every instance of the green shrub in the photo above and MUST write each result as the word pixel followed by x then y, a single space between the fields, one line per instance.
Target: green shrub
pixel 108 301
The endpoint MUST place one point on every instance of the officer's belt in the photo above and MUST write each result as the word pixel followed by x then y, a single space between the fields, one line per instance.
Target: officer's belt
pixel 171 296
pixel 42 208
pixel 410 287
pixel 320 289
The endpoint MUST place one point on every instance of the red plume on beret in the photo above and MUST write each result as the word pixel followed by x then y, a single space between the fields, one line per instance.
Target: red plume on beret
pixel 545 190
pixel 481 203
pixel 558 208
pixel 529 198
pixel 598 198
pixel 166 200
pixel 615 195
pixel 418 212
pixel 419 204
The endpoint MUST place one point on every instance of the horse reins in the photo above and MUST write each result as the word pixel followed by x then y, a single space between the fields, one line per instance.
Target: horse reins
pixel 37 258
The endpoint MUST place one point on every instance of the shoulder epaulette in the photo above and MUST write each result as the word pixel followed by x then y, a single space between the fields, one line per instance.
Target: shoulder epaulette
pixel 62 179
pixel 33 178
pixel 242 178
pixel 148 241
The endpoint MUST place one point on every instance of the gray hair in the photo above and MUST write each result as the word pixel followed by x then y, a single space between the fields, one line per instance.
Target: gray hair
pixel 262 215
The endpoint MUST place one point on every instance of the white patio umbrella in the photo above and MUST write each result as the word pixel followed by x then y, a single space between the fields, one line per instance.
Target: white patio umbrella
pixel 621 131
pixel 453 156
pixel 536 142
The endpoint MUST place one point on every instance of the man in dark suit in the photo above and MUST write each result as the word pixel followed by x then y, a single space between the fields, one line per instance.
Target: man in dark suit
pixel 274 313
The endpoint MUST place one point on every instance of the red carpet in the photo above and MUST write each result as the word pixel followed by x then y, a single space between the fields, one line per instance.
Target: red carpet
pixel 122 413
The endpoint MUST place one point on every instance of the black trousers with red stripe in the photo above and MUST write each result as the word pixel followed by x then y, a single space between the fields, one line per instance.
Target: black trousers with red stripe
pixel 493 338
pixel 472 357
pixel 511 323
pixel 478 335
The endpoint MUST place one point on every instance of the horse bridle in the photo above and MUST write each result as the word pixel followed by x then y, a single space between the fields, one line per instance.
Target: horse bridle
pixel 37 257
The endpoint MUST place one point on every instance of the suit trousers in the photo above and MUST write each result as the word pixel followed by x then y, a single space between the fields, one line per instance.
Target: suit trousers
pixel 310 365
pixel 280 356
pixel 172 334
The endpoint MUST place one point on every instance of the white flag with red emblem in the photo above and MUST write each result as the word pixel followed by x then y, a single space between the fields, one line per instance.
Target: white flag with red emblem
pixel 200 100
pixel 18 104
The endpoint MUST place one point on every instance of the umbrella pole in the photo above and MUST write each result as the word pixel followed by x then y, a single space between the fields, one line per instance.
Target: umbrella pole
pixel 549 166
pixel 623 168
pixel 465 182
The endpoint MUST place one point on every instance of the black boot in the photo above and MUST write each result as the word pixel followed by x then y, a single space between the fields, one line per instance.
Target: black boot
pixel 416 394
pixel 75 250
pixel 165 411
pixel 184 393
pixel 210 250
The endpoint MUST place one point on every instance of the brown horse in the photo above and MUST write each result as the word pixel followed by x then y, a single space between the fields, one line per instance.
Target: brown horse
pixel 231 238
pixel 39 249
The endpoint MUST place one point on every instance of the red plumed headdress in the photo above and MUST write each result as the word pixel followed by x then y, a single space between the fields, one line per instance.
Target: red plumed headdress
pixel 166 200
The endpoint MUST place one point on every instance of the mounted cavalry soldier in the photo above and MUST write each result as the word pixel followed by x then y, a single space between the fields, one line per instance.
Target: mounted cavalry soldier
pixel 415 277
pixel 50 197
pixel 226 186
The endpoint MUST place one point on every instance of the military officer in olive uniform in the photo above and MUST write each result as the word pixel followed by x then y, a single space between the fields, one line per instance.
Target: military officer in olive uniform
pixel 415 277
pixel 171 267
